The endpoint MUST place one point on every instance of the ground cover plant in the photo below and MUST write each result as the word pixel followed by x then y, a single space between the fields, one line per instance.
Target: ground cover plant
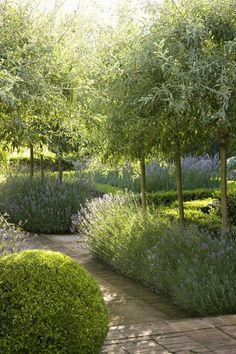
pixel 190 263
pixel 42 205
pixel 49 304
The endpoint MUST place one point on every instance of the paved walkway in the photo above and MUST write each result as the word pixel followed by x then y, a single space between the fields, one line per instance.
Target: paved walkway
pixel 208 335
pixel 141 321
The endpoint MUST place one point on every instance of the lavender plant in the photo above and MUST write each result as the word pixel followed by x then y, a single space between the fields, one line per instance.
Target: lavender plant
pixel 107 224
pixel 42 206
pixel 198 172
pixel 201 172
pixel 11 237
pixel 188 263
pixel 206 282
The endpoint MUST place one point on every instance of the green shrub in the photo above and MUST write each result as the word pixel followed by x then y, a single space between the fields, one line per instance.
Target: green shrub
pixel 167 198
pixel 49 304
pixel 162 198
pixel 232 207
pixel 156 250
pixel 199 204
pixel 106 188
pixel 42 206
pixel 231 201
pixel 197 212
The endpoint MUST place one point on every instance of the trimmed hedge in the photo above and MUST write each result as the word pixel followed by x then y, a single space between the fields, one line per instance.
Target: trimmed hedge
pixel 49 304
pixel 162 198
pixel 232 207
pixel 167 198
pixel 209 221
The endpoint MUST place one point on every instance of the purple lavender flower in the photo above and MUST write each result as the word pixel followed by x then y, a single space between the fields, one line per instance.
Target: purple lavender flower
pixel 11 237
pixel 204 245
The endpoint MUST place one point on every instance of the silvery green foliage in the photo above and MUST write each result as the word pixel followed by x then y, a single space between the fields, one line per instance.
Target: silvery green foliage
pixel 190 264
pixel 231 163
pixel 42 206
pixel 11 237
pixel 198 172
pixel 94 209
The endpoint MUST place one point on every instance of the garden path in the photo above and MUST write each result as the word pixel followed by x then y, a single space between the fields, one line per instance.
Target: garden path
pixel 141 321
pixel 127 301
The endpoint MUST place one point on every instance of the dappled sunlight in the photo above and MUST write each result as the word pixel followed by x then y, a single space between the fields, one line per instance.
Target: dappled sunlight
pixel 117 148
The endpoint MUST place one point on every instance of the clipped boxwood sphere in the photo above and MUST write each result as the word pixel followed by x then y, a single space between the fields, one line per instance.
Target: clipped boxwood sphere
pixel 49 304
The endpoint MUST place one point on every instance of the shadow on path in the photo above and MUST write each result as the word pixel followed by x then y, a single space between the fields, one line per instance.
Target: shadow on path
pixel 128 302
pixel 140 320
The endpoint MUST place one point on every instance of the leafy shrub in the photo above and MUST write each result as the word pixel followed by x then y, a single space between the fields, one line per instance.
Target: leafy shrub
pixel 162 198
pixel 156 250
pixel 106 188
pixel 42 206
pixel 167 198
pixel 199 204
pixel 232 207
pixel 231 201
pixel 11 237
pixel 204 217
pixel 49 304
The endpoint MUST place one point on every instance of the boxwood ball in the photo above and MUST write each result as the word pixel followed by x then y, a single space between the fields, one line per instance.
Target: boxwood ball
pixel 49 304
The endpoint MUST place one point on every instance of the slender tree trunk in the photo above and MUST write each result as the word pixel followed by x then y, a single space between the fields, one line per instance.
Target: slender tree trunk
pixel 31 160
pixel 60 167
pixel 179 188
pixel 223 184
pixel 143 185
pixel 41 162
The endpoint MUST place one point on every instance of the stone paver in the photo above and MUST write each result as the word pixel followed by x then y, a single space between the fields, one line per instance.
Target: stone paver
pixel 143 322
pixel 135 339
